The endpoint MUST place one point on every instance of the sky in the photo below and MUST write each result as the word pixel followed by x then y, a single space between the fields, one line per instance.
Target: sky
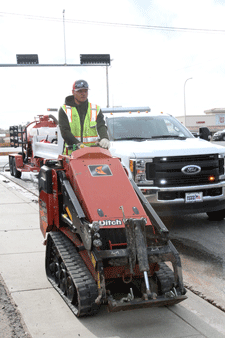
pixel 160 51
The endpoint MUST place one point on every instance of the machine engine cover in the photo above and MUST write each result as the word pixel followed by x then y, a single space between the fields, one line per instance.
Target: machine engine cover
pixel 102 187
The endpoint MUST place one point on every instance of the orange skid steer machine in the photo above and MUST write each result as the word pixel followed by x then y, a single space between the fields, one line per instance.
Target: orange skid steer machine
pixel 105 243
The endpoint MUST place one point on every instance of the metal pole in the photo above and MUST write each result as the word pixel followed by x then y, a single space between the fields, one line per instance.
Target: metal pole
pixel 64 35
pixel 185 101
pixel 107 86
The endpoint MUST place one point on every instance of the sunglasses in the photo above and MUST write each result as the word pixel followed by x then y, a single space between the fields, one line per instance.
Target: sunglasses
pixel 81 85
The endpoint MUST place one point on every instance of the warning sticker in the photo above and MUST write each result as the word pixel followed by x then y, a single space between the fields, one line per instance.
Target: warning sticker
pixel 100 170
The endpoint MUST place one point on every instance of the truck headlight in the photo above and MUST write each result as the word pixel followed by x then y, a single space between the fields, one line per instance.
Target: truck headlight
pixel 138 169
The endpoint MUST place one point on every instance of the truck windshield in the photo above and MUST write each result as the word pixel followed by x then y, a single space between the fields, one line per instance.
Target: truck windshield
pixel 145 127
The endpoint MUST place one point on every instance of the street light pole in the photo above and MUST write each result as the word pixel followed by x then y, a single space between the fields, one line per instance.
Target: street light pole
pixel 185 101
pixel 107 85
pixel 64 35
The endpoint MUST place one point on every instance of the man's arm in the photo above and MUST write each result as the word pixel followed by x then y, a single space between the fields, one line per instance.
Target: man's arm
pixel 65 128
pixel 101 127
pixel 102 131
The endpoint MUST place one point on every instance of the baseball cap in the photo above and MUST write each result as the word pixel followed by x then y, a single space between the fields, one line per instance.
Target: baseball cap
pixel 80 84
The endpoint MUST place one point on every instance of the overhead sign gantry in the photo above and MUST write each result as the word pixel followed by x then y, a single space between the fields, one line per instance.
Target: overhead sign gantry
pixel 31 60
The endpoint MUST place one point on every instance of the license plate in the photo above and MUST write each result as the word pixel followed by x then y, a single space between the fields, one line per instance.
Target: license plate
pixel 193 197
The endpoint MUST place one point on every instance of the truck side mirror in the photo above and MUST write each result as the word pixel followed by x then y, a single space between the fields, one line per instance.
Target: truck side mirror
pixel 204 133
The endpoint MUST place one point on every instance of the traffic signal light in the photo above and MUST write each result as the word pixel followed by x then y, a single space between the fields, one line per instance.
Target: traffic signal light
pixel 95 59
pixel 27 59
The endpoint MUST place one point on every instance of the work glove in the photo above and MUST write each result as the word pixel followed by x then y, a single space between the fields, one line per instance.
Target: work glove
pixel 104 143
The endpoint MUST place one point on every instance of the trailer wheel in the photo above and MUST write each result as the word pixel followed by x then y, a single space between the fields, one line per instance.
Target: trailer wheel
pixel 11 166
pixel 16 173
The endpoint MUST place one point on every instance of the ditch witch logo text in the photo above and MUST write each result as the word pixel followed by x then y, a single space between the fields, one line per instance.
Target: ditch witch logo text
pixel 110 222
pixel 100 170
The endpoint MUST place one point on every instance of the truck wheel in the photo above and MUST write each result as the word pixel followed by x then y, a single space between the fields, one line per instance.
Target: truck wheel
pixel 11 165
pixel 216 215
pixel 16 173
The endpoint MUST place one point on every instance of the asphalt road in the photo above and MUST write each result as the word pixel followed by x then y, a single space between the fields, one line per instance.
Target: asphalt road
pixel 200 243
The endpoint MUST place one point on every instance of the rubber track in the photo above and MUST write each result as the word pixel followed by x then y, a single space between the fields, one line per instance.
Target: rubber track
pixel 82 278
pixel 166 278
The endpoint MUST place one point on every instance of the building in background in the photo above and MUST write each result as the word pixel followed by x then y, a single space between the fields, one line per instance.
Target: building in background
pixel 214 119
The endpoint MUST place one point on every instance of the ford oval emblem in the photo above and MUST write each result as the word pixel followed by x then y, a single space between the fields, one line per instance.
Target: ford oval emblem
pixel 191 169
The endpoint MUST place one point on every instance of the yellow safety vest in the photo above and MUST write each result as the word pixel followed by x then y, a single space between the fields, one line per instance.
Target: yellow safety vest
pixel 90 134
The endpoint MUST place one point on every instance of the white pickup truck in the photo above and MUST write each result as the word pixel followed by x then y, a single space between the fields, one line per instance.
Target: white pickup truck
pixel 176 172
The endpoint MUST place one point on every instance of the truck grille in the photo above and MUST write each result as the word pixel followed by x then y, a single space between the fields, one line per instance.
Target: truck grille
pixel 166 171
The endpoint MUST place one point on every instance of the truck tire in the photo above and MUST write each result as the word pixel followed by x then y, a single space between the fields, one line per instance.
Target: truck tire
pixel 16 173
pixel 216 215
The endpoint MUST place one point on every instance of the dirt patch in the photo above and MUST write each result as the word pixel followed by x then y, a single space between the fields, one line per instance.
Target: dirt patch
pixel 11 322
pixel 205 280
